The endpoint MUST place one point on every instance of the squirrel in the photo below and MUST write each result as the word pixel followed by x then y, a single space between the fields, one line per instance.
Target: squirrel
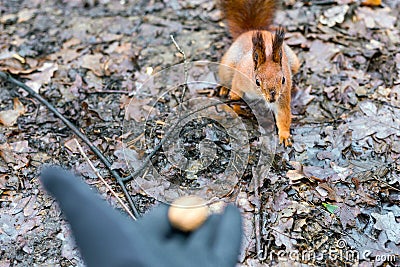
pixel 258 59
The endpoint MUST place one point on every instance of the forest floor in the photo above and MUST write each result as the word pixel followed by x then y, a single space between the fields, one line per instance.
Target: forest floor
pixel 331 199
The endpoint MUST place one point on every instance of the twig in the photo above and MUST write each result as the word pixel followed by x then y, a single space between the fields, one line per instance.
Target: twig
pixel 102 179
pixel 107 92
pixel 282 233
pixel 385 183
pixel 75 130
pixel 321 2
pixel 185 69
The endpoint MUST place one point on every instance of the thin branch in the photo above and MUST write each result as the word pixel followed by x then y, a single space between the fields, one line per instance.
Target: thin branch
pixel 76 131
pixel 124 92
pixel 185 68
pixel 385 183
pixel 102 179
pixel 282 233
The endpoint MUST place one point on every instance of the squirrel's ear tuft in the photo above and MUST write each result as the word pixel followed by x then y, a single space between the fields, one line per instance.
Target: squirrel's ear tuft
pixel 259 56
pixel 277 43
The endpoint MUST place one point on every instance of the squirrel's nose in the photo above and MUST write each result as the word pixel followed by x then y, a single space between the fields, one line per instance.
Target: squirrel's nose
pixel 273 94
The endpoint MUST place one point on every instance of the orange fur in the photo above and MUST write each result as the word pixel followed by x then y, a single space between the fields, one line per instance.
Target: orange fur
pixel 259 60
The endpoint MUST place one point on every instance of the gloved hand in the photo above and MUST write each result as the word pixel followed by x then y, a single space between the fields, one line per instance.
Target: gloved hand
pixel 107 238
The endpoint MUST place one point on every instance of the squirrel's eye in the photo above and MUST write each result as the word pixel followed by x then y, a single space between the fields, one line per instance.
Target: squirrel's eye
pixel 257 82
pixel 283 80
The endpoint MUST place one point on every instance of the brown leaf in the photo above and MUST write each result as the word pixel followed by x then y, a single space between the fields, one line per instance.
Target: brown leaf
pixel 334 15
pixel 30 208
pixel 25 15
pixel 332 195
pixel 9 117
pixel 300 99
pixel 320 55
pixel 347 214
pixel 20 205
pixel 43 77
pixel 365 197
pixel 69 55
pixel 72 92
pixel 6 18
pixel 294 176
pixel 281 201
pixel 388 224
pixel 10 64
pixel 92 62
pixel 282 233
pixel 126 159
pixel 136 108
pixel 9 156
pixel 71 42
pixel 21 147
pixel 374 18
pixel 295 38
pixel 72 146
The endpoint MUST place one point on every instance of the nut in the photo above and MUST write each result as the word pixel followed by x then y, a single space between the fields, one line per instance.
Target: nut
pixel 188 213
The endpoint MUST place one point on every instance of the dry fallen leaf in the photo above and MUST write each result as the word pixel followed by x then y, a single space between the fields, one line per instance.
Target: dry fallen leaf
pixel 347 214
pixel 92 62
pixel 294 175
pixel 388 224
pixel 9 117
pixel 320 56
pixel 374 18
pixel 25 15
pixel 9 62
pixel 43 77
pixel 280 232
pixel 126 159
pixel 9 156
pixel 72 146
pixel 136 108
pixel 334 15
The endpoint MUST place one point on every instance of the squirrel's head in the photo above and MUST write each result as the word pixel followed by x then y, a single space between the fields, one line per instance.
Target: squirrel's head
pixel 268 72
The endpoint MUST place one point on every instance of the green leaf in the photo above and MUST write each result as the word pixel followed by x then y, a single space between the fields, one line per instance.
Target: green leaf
pixel 331 208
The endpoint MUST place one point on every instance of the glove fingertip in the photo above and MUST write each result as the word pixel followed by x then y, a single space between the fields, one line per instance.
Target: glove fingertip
pixel 56 180
pixel 49 173
pixel 229 234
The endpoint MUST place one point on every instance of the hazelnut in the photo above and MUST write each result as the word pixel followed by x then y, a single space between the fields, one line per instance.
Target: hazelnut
pixel 188 213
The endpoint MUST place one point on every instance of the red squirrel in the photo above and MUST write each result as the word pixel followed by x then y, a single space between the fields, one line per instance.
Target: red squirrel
pixel 262 60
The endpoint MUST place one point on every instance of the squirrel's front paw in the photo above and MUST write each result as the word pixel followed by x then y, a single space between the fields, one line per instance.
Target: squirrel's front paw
pixel 284 137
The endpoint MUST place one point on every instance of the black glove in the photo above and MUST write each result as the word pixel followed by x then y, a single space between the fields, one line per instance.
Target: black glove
pixel 107 238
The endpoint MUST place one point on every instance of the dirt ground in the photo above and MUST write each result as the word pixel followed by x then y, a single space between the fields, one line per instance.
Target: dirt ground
pixel 332 199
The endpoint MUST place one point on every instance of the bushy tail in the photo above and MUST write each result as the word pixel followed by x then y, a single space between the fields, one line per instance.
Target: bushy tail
pixel 246 15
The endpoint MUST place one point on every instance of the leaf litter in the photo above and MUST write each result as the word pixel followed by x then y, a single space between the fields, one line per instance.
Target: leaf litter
pixel 340 180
